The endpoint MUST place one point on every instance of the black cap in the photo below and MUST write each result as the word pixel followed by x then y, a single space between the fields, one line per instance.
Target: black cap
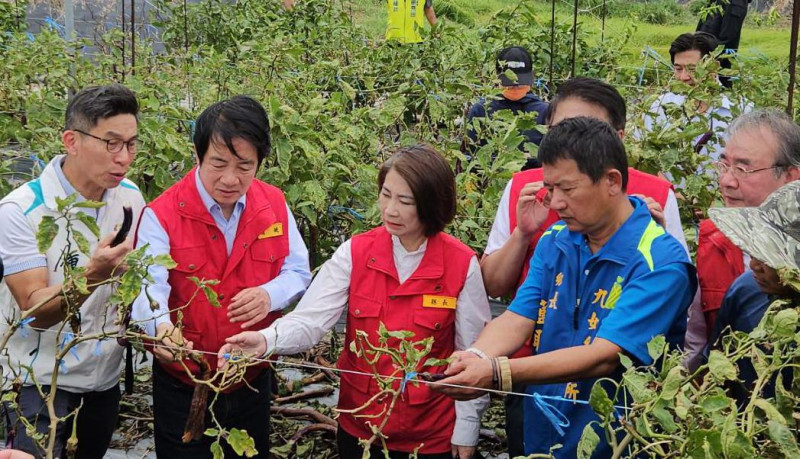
pixel 516 59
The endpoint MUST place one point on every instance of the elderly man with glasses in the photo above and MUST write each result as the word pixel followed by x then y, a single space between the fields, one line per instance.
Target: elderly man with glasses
pixel 761 155
pixel 100 141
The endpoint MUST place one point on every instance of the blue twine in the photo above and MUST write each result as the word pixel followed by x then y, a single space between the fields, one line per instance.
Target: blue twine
pixel 408 377
pixel 67 338
pixel 98 349
pixel 23 330
pixel 555 416
pixel 232 358
pixel 62 367
pixel 339 209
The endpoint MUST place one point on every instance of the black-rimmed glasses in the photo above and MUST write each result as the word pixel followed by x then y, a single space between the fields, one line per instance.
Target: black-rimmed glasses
pixel 115 145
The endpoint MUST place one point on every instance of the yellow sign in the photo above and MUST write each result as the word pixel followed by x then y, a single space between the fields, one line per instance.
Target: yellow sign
pixel 275 230
pixel 443 302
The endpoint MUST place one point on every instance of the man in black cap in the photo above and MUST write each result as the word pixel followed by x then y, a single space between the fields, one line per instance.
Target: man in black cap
pixel 515 72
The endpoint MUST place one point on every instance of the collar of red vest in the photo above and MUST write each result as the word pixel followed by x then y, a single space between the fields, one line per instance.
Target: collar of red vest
pixel 381 257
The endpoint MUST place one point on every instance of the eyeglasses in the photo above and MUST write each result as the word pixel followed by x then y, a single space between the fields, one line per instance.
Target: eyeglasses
pixel 115 145
pixel 740 172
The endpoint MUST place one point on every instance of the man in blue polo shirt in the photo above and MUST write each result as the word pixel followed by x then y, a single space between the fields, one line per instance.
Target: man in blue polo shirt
pixel 604 280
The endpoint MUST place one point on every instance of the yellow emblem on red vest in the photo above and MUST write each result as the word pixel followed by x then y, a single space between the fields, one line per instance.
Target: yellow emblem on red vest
pixel 441 302
pixel 276 229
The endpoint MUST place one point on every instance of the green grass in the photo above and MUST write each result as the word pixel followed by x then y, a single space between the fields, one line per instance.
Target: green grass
pixel 771 41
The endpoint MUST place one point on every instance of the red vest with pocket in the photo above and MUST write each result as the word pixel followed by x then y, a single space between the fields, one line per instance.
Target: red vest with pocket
pixel 424 304
pixel 719 263
pixel 198 247
pixel 638 183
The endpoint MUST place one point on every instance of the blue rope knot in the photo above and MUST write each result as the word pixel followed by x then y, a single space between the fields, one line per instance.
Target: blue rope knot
pixel 232 358
pixel 24 331
pixel 556 417
pixel 408 377
pixel 69 336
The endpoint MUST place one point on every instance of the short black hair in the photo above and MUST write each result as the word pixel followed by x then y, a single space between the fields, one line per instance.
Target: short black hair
pixel 592 144
pixel 431 181
pixel 238 117
pixel 595 92
pixel 699 41
pixel 95 103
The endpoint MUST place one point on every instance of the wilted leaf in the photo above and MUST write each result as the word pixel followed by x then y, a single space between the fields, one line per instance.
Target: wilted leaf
pixel 656 347
pixel 242 443
pixel 46 234
pixel 771 412
pixel 600 401
pixel 89 222
pixel 720 367
pixel 784 438
pixel 588 442
pixel 81 242
pixel 165 260
pixel 89 204
pixel 672 383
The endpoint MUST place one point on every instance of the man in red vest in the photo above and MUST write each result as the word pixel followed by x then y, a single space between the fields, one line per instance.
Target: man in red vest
pixel 757 160
pixel 219 222
pixel 516 230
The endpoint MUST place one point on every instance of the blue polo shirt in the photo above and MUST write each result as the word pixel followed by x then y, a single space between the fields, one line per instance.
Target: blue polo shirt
pixel 637 286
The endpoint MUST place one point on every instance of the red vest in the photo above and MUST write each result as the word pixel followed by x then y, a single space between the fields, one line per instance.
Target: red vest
pixel 198 247
pixel 376 295
pixel 638 183
pixel 719 263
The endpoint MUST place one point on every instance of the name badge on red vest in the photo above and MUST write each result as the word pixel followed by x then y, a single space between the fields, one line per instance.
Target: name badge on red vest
pixel 441 302
pixel 275 230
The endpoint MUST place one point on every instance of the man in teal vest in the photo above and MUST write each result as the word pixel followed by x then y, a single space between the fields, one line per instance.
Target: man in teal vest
pixel 405 19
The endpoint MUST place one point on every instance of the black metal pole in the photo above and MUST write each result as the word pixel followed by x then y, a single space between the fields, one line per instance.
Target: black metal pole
pixel 603 29
pixel 185 27
pixel 133 37
pixel 574 36
pixel 552 41
pixel 793 55
pixel 122 20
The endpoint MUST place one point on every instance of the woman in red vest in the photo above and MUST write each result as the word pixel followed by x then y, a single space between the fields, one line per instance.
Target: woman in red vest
pixel 409 275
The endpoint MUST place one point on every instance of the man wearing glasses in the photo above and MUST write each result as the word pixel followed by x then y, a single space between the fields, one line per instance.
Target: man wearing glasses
pixel 100 142
pixel 760 156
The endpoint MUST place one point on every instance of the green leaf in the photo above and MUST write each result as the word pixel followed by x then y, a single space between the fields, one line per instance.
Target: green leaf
pixel 638 385
pixel 82 242
pixel 720 367
pixel 242 443
pixel 434 362
pixel 625 361
pixel 89 222
pixel 734 442
pixel 785 323
pixel 62 204
pixel 89 204
pixel 600 401
pixel 216 450
pixel 772 413
pixel 672 383
pixel 664 417
pixel 656 347
pixel 165 260
pixel 784 438
pixel 715 403
pixel 46 234
pixel 588 442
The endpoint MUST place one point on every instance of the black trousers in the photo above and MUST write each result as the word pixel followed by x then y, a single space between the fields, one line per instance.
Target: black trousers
pixel 350 449
pixel 97 420
pixel 515 415
pixel 243 409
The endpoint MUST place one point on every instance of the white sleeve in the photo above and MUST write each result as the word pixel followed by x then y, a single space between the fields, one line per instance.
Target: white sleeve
pixel 472 315
pixel 500 233
pixel 295 273
pixel 673 220
pixel 317 311
pixel 152 234
pixel 18 247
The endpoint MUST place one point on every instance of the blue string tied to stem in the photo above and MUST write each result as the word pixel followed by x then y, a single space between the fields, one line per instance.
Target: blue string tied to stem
pixel 408 377
pixel 24 330
pixel 68 337
pixel 556 417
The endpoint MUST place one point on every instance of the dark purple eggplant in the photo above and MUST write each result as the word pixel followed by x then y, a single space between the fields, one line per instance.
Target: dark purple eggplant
pixel 127 222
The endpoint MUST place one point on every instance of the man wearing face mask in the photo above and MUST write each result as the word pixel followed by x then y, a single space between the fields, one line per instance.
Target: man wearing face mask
pixel 516 96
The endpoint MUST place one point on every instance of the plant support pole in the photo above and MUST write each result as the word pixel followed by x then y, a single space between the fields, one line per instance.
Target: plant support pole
pixel 133 37
pixel 122 21
pixel 793 55
pixel 574 37
pixel 552 41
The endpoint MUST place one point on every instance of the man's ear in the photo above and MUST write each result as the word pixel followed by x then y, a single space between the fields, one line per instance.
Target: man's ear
pixel 614 180
pixel 69 139
pixel 793 172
